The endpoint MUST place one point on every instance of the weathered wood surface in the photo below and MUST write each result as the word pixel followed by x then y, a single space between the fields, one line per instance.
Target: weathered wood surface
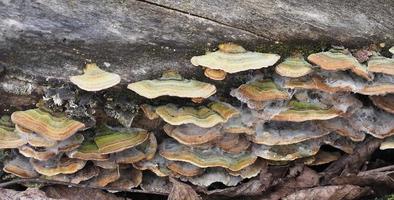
pixel 47 39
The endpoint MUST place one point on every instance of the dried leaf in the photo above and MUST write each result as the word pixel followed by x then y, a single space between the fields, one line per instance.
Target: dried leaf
pixel 182 191
pixel 28 194
pixel 305 178
pixel 352 162
pixel 340 192
pixel 65 192
pixel 380 179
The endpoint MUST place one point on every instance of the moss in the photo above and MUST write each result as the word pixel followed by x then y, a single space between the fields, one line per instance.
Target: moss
pixel 296 105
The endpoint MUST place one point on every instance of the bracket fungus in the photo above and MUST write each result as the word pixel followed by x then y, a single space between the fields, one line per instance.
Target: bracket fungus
pixel 377 123
pixel 20 166
pixel 215 157
pixel 9 138
pixel 302 149
pixel 233 58
pixel 304 111
pixel 88 151
pixel 190 134
pixel 172 84
pixel 259 94
pixel 95 79
pixel 105 177
pixel 338 61
pixel 391 50
pixel 45 124
pixel 184 168
pixel 201 116
pixel 323 157
pixel 215 74
pixel 380 64
pixel 129 178
pixel 214 175
pixel 112 140
pixel 294 67
pixel 388 143
pixel 56 166
pixel 386 102
pixel 284 133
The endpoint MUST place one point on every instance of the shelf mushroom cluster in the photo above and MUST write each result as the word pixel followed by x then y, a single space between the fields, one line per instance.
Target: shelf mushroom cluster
pixel 291 115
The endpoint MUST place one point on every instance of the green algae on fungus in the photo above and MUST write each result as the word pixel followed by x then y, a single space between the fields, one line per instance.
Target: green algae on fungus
pixel 45 124
pixel 88 151
pixel 111 140
pixel 304 111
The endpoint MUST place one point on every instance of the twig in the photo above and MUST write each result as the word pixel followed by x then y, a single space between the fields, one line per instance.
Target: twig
pixel 45 181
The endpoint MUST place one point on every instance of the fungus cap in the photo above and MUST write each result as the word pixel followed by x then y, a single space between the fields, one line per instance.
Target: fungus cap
pixel 174 151
pixel 171 84
pixel 95 79
pixel 47 125
pixel 294 67
pixel 232 58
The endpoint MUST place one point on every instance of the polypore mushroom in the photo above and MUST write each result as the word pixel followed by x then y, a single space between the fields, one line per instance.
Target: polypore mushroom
pixel 388 143
pixel 213 175
pixel 144 151
pixel 88 151
pixel 47 125
pixel 233 143
pixel 41 154
pixel 323 157
pixel 129 178
pixel 314 82
pixel 112 140
pixel 9 138
pixel 215 74
pixel 172 84
pixel 55 166
pixel 213 157
pixel 236 126
pixel 386 102
pixel 382 84
pixel 190 134
pixel 87 173
pixel 251 170
pixel 377 123
pixel 294 67
pixel 343 127
pixel 201 116
pixel 34 139
pixel 149 111
pixel 105 177
pixel 106 164
pixel 380 64
pixel 184 168
pixel 232 58
pixel 256 91
pixel 339 61
pixel 284 133
pixel 302 149
pixel 95 79
pixel 20 166
pixel 157 165
pixel 304 111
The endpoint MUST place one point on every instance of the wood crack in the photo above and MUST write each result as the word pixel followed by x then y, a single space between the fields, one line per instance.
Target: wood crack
pixel 203 18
